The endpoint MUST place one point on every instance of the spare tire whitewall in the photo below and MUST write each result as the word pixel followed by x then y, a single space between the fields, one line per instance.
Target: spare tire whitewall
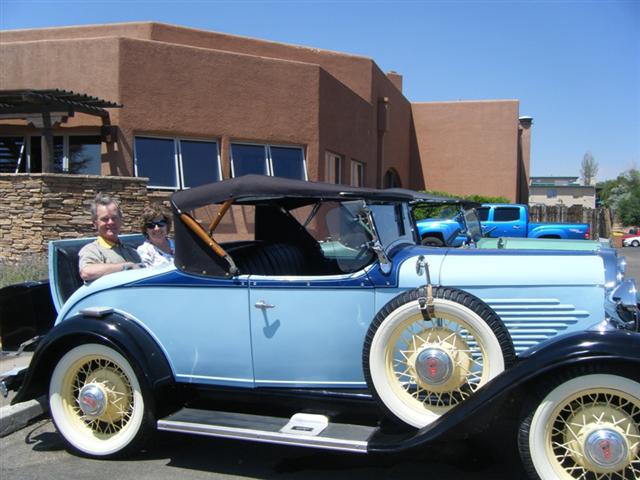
pixel 419 367
pixel 97 403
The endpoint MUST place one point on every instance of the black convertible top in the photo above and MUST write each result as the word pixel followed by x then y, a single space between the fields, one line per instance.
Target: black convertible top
pixel 252 189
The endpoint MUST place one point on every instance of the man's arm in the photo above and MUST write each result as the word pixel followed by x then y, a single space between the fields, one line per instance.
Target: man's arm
pixel 91 271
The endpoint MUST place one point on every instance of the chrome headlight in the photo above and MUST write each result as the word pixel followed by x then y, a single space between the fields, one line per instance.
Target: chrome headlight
pixel 626 301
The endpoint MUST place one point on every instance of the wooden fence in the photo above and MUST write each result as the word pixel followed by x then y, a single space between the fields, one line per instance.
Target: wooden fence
pixel 599 219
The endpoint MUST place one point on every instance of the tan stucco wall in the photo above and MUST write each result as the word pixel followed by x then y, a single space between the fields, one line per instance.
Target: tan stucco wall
pixel 468 147
pixel 181 82
pixel 567 196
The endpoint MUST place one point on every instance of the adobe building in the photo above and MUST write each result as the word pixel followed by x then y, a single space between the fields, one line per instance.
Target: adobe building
pixel 183 107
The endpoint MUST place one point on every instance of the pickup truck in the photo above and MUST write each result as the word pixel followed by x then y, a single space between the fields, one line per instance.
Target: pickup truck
pixel 498 220
pixel 506 220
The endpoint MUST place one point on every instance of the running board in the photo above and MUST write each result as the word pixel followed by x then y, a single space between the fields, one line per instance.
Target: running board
pixel 303 430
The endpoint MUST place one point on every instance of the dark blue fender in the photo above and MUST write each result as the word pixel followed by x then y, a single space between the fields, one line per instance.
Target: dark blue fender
pixel 619 347
pixel 113 330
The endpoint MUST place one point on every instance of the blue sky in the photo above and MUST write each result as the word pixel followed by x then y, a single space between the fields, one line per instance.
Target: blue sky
pixel 574 65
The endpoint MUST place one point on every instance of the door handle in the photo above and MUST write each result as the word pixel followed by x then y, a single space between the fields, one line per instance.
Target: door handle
pixel 263 304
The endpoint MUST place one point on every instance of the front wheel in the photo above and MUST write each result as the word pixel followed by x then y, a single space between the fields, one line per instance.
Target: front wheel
pixel 635 243
pixel 97 403
pixel 587 427
pixel 420 366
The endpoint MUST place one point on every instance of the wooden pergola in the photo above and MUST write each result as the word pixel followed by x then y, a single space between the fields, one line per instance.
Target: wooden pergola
pixel 45 108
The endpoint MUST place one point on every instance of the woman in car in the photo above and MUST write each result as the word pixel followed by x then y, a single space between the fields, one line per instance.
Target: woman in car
pixel 158 248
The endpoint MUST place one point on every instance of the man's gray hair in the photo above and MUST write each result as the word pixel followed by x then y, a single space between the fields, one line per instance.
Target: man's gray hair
pixel 104 200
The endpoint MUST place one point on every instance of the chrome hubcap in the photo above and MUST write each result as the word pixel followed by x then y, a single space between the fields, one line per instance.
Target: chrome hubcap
pixel 92 400
pixel 434 366
pixel 606 448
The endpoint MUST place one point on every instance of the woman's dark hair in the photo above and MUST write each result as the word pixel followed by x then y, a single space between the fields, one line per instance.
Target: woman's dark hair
pixel 152 212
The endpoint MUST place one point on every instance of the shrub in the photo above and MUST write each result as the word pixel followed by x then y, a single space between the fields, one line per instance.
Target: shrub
pixel 29 268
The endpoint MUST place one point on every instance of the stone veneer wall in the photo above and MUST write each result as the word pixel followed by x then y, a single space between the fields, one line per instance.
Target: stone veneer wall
pixel 36 208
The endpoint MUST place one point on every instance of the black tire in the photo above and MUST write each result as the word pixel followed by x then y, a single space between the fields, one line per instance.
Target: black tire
pixel 431 241
pixel 122 420
pixel 564 413
pixel 418 368
pixel 635 243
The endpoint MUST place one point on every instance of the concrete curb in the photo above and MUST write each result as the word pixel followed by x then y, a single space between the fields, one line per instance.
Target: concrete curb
pixel 15 417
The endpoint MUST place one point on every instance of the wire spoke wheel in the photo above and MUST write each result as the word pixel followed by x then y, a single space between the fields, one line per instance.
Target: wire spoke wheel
pixel 436 362
pixel 587 428
pixel 420 366
pixel 96 401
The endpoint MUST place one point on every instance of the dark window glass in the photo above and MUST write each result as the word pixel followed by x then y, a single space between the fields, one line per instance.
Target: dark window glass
pixel 483 213
pixel 58 154
pixel 248 159
pixel 35 157
pixel 287 162
pixel 199 162
pixel 85 155
pixel 506 214
pixel 12 155
pixel 155 158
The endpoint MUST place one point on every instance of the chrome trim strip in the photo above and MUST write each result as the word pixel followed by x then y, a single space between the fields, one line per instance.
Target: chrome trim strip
pixel 357 446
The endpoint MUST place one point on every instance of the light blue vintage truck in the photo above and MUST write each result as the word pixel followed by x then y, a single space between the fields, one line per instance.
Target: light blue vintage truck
pixel 332 327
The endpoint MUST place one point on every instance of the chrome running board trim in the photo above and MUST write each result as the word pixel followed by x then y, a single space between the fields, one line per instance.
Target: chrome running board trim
pixel 258 428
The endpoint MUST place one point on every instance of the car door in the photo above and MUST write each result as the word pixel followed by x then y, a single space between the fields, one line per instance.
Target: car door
pixel 507 222
pixel 309 332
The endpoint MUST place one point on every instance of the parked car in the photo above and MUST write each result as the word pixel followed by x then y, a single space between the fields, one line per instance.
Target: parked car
pixel 631 241
pixel 331 328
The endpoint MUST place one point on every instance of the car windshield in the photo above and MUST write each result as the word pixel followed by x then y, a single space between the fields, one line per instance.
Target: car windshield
pixel 472 221
pixel 342 230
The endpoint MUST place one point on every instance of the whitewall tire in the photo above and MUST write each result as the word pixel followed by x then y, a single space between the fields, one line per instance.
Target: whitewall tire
pixel 419 367
pixel 587 427
pixel 96 402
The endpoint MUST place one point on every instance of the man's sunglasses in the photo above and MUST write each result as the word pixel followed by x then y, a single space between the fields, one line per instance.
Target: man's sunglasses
pixel 152 225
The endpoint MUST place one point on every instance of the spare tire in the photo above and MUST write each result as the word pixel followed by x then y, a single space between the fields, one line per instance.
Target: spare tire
pixel 419 366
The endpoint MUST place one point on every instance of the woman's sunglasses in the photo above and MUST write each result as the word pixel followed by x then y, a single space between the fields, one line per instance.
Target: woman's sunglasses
pixel 152 225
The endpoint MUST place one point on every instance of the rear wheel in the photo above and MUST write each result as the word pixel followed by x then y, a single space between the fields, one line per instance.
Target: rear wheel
pixel 586 427
pixel 419 367
pixel 97 403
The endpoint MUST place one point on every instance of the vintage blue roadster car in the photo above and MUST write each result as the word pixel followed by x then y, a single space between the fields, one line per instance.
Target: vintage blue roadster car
pixel 328 326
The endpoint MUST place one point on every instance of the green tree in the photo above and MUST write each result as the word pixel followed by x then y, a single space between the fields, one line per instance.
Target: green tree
pixel 622 196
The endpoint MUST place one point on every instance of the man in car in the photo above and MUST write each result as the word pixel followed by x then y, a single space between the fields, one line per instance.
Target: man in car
pixel 107 254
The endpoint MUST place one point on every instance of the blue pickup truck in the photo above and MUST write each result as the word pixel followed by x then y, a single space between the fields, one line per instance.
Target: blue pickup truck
pixel 498 220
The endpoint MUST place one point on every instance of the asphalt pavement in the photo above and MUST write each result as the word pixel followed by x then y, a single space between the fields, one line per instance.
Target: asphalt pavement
pixel 37 452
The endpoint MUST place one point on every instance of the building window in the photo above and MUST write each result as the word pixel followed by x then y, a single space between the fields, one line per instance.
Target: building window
pixel 175 163
pixel 391 179
pixel 552 193
pixel 12 154
pixel 77 154
pixel 273 160
pixel 333 168
pixel 357 173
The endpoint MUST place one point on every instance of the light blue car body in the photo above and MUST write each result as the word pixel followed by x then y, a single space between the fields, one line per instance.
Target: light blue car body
pixel 212 334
